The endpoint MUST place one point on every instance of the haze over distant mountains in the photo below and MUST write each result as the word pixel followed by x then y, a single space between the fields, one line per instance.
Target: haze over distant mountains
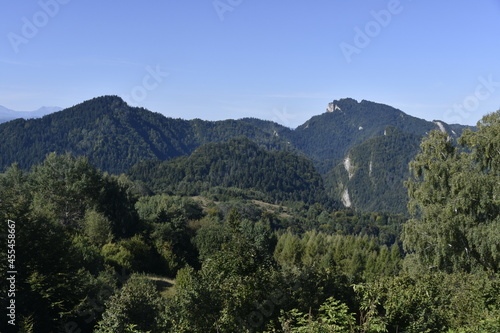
pixel 359 150
pixel 8 114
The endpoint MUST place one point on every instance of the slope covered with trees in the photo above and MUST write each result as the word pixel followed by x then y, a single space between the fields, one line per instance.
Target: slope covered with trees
pixel 99 253
pixel 239 164
pixel 115 137
pixel 331 135
pixel 372 174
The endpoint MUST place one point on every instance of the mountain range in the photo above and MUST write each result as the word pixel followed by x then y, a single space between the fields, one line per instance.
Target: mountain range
pixel 355 153
pixel 8 114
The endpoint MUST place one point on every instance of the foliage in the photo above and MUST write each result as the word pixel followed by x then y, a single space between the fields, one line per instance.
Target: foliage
pixel 253 251
pixel 97 228
pixel 138 306
pixel 229 282
pixel 167 221
pixel 437 302
pixel 359 258
pixel 454 201
pixel 66 187
pixel 131 253
pixel 239 163
pixel 333 316
pixel 114 137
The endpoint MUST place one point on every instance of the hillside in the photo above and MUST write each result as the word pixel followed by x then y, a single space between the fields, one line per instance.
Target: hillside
pixel 371 175
pixel 235 228
pixel 115 137
pixel 237 164
pixel 347 123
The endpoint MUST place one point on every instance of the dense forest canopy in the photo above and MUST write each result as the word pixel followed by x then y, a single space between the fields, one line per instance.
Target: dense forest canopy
pixel 115 137
pixel 239 163
pixel 211 243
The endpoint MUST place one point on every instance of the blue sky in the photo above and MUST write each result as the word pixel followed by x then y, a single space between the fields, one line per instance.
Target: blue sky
pixel 277 60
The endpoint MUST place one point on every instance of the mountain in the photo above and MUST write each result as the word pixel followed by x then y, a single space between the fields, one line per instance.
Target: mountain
pixel 115 136
pixel 329 137
pixel 272 176
pixel 360 149
pixel 371 175
pixel 363 150
pixel 8 114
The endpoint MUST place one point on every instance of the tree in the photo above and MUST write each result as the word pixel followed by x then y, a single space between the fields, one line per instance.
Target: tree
pixel 64 187
pixel 130 253
pixel 454 200
pixel 97 228
pixel 137 305
pixel 435 302
pixel 234 278
pixel 167 219
pixel 333 316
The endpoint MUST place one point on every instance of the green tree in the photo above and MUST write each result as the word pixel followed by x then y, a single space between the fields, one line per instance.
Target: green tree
pixel 233 280
pixel 166 218
pixel 97 228
pixel 333 316
pixel 64 187
pixel 137 305
pixel 131 253
pixel 289 250
pixel 454 201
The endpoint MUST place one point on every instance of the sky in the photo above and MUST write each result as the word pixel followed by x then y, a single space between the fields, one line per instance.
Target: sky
pixel 275 60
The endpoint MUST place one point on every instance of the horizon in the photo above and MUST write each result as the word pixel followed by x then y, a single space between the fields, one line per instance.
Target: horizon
pixel 282 61
pixel 188 119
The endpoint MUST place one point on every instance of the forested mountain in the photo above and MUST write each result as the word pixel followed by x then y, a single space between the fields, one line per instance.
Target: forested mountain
pixel 371 175
pixel 239 164
pixel 115 137
pixel 329 137
pixel 95 252
pixel 363 150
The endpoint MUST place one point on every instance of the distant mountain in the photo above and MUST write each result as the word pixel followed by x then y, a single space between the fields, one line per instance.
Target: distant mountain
pixel 8 114
pixel 361 149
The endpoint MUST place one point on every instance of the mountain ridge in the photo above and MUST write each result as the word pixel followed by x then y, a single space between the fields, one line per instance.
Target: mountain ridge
pixel 7 114
pixel 115 137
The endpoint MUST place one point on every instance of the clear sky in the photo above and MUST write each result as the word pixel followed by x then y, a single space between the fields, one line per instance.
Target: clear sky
pixel 278 60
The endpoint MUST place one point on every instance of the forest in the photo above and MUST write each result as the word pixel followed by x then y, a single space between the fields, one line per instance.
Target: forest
pixel 241 237
pixel 378 139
